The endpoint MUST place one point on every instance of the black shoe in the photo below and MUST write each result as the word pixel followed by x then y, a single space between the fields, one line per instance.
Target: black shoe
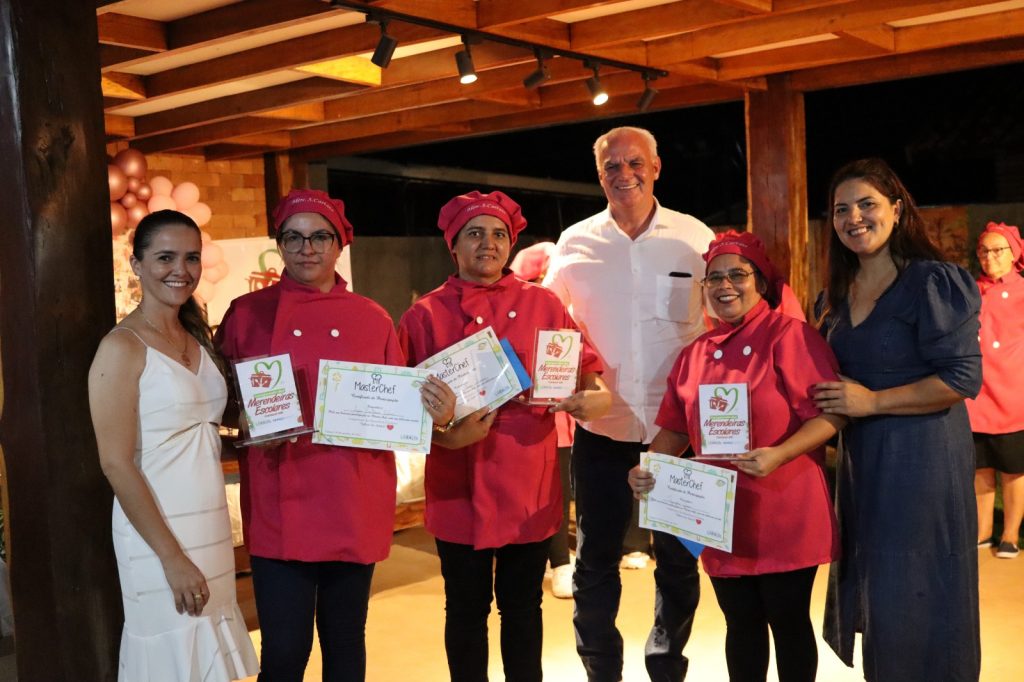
pixel 984 544
pixel 1007 550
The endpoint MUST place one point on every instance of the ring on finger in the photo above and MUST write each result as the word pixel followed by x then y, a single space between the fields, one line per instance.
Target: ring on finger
pixel 198 596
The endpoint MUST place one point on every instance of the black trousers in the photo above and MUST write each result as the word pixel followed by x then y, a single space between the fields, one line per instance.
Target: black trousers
pixel 604 507
pixel 290 595
pixel 754 603
pixel 514 575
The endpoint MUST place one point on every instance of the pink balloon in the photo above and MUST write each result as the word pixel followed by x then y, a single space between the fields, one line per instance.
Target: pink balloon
pixel 161 186
pixel 217 272
pixel 212 254
pixel 117 182
pixel 135 214
pixel 185 195
pixel 160 202
pixel 205 291
pixel 118 219
pixel 200 213
pixel 144 193
pixel 206 237
pixel 132 162
pixel 129 200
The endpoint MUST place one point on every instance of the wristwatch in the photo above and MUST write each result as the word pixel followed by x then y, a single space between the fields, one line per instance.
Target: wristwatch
pixel 447 427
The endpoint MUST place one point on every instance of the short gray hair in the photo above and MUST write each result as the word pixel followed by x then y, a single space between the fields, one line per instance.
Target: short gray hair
pixel 652 143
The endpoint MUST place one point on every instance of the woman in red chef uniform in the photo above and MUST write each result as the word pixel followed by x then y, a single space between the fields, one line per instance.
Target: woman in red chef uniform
pixel 492 480
pixel 784 526
pixel 316 518
pixel 997 414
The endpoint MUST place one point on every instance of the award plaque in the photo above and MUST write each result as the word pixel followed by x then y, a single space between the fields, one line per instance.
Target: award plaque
pixel 724 421
pixel 556 365
pixel 268 400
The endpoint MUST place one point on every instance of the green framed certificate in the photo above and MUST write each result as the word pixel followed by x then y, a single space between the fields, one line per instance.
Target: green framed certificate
pixel 690 499
pixel 371 406
pixel 478 370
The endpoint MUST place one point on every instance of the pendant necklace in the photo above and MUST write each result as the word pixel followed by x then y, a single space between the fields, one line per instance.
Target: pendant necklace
pixel 185 360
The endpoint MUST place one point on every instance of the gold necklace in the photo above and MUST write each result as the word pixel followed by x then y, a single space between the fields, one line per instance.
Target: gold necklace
pixel 185 360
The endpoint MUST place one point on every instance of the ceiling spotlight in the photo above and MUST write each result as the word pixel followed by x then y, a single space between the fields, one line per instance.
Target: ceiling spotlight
pixel 648 95
pixel 385 46
pixel 464 61
pixel 541 75
pixel 597 91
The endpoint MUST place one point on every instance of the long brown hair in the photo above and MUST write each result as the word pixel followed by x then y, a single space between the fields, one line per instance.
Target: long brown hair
pixel 909 239
pixel 191 315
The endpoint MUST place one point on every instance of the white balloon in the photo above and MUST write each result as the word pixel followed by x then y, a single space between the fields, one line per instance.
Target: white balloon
pixel 185 195
pixel 205 291
pixel 160 202
pixel 161 186
pixel 216 273
pixel 212 254
pixel 200 213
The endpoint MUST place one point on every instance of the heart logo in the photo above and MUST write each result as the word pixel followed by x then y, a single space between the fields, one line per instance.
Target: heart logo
pixel 560 345
pixel 483 391
pixel 730 395
pixel 698 522
pixel 391 427
pixel 273 369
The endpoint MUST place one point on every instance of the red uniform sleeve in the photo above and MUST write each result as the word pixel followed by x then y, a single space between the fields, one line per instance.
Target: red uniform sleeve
pixel 802 359
pixel 672 413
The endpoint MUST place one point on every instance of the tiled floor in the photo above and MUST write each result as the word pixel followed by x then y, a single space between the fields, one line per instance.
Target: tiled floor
pixel 405 627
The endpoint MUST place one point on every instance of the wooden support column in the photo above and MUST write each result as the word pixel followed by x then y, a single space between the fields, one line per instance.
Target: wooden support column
pixel 282 172
pixel 56 302
pixel 777 178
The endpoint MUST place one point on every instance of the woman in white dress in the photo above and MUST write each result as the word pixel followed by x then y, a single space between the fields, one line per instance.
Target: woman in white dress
pixel 156 397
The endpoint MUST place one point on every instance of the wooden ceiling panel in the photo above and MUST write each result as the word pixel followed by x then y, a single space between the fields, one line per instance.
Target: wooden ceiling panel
pixel 185 75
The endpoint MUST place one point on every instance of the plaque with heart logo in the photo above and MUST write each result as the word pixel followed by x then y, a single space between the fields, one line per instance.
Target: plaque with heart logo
pixel 556 364
pixel 724 411
pixel 269 400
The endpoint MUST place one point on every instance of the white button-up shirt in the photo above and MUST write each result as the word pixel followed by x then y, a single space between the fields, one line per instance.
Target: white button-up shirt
pixel 636 304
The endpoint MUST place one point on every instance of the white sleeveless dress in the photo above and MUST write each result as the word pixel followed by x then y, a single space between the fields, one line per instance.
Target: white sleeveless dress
pixel 178 453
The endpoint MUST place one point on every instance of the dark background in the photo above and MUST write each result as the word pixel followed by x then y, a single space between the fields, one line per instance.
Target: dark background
pixel 954 139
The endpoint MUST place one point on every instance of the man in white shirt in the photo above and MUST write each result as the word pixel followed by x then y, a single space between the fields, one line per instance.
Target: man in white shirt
pixel 630 276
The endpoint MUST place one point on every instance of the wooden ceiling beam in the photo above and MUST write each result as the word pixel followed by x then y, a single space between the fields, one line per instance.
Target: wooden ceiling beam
pixel 459 12
pixel 112 57
pixel 280 139
pixel 518 97
pixel 976 29
pixel 440 64
pixel 424 94
pixel 882 37
pixel 749 6
pixel 584 111
pixel 226 151
pixel 776 28
pixel 124 30
pixel 311 112
pixel 243 104
pixel 797 57
pixel 123 86
pixel 671 19
pixel 243 19
pixel 500 13
pixel 210 134
pixel 118 126
pixel 398 120
pixel 958 58
pixel 318 47
pixel 618 84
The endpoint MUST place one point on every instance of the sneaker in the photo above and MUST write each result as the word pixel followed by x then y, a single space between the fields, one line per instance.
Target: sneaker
pixel 635 561
pixel 561 581
pixel 984 544
pixel 1007 550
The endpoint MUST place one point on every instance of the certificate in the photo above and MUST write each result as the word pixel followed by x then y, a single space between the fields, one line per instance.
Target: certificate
pixel 556 365
pixel 371 406
pixel 268 399
pixel 724 420
pixel 478 370
pixel 690 499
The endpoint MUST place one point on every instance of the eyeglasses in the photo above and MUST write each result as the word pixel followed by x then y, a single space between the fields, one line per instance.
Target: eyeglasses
pixel 292 242
pixel 982 251
pixel 716 279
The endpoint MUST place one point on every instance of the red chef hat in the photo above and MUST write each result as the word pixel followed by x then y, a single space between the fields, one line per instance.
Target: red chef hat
pixel 1012 236
pixel 315 201
pixel 750 247
pixel 464 207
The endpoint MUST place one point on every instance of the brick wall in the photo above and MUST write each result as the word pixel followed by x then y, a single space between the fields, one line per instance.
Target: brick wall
pixel 233 190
